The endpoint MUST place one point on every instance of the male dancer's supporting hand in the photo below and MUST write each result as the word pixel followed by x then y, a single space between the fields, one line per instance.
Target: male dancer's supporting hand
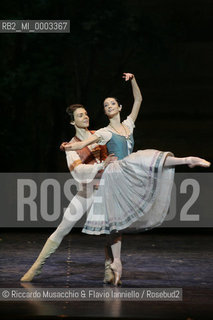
pixel 109 159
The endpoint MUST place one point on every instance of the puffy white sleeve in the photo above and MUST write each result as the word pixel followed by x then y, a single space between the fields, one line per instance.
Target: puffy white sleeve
pixel 129 123
pixel 104 135
pixel 83 173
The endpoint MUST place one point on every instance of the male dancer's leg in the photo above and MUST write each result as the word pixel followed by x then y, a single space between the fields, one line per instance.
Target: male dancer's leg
pixel 77 207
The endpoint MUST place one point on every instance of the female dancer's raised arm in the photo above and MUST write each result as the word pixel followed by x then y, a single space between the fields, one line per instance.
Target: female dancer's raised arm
pixel 134 113
pixel 137 95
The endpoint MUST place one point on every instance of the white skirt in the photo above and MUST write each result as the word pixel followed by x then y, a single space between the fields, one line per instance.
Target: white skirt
pixel 133 192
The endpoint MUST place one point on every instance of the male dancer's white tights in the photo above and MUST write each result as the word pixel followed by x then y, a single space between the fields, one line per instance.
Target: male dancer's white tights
pixel 74 212
pixel 77 207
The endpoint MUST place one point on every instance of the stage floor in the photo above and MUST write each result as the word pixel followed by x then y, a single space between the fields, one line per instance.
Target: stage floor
pixel 162 258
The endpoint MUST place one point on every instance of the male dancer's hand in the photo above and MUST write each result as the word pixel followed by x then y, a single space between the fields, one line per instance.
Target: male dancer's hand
pixel 62 146
pixel 109 159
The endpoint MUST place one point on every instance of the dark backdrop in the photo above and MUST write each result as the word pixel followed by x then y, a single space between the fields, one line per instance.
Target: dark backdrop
pixel 167 44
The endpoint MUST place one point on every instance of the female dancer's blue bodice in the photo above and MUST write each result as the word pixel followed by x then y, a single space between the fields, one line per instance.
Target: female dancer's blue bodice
pixel 120 146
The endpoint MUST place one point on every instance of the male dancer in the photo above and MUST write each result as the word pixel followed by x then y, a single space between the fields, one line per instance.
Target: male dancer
pixel 84 166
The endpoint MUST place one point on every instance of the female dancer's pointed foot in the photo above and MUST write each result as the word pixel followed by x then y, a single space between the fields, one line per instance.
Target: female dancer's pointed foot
pixel 116 267
pixel 195 161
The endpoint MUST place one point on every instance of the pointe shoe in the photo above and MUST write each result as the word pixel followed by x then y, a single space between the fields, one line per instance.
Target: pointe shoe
pixel 49 247
pixel 195 161
pixel 108 274
pixel 116 267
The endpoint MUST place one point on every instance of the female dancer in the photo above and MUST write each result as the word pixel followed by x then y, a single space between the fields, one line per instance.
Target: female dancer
pixel 135 190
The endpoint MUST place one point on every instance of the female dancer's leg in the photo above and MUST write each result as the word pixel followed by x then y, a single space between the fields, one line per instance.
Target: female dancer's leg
pixel 190 161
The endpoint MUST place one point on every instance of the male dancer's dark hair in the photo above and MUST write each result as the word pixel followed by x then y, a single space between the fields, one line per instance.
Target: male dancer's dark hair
pixel 71 109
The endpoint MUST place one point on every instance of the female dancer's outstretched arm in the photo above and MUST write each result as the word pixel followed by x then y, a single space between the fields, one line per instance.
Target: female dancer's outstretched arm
pixel 80 144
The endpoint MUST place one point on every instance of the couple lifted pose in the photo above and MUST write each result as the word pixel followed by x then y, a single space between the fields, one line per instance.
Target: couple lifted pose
pixel 134 188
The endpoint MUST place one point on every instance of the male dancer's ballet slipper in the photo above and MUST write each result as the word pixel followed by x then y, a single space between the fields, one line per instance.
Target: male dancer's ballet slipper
pixel 49 247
